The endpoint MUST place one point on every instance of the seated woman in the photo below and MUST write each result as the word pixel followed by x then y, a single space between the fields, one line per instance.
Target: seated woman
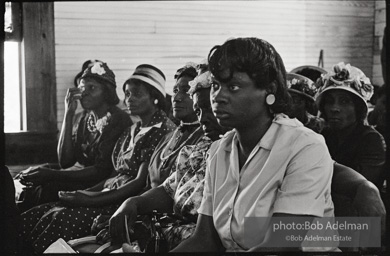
pixel 162 162
pixel 182 192
pixel 342 100
pixel 269 165
pixel 302 91
pixel 85 145
pixel 377 117
pixel 72 216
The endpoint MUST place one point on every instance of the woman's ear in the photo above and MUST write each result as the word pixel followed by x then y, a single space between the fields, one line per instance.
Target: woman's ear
pixel 271 88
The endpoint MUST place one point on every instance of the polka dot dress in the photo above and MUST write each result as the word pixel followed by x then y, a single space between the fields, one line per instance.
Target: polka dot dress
pixel 44 224
pixel 130 153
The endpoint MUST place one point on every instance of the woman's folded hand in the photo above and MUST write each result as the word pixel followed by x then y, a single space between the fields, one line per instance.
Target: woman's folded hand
pixel 75 198
pixel 99 223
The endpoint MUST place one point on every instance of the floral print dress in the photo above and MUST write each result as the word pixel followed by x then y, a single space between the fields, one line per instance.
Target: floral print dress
pixel 185 186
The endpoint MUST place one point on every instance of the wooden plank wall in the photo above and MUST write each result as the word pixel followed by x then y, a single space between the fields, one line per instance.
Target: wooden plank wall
pixel 39 76
pixel 380 24
pixel 168 34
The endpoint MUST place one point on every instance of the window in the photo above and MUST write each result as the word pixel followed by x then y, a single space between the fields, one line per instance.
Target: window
pixel 30 85
pixel 13 104
pixel 14 114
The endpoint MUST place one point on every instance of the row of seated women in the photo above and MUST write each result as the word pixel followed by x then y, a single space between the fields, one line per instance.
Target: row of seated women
pixel 235 154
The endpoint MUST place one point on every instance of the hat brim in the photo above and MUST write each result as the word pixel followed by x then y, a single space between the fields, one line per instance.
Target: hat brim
pixel 148 81
pixel 302 94
pixel 348 89
pixel 300 68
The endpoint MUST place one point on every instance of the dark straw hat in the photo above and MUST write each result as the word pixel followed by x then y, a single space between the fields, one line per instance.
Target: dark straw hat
pixel 101 72
pixel 309 71
pixel 301 85
pixel 86 64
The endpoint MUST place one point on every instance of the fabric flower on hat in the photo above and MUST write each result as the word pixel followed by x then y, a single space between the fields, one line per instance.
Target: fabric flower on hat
pixel 349 78
pixel 301 85
pixel 97 68
pixel 292 82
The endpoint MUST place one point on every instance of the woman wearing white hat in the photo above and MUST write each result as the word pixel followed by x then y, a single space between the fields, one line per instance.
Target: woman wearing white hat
pixel 145 97
pixel 342 99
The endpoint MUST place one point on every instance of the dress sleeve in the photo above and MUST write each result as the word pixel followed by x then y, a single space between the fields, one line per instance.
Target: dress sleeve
pixel 206 206
pixel 371 156
pixel 118 124
pixel 305 189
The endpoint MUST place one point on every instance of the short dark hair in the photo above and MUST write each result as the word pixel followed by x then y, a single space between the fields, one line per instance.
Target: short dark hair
pixel 153 92
pixel 187 70
pixel 259 60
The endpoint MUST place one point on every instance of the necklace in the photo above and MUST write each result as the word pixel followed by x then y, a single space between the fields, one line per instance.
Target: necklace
pixel 193 123
pixel 91 125
pixel 164 158
pixel 99 125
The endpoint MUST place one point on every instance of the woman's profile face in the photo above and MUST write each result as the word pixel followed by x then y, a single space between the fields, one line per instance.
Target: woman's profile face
pixel 137 99
pixel 181 100
pixel 93 93
pixel 238 102
pixel 206 118
pixel 339 109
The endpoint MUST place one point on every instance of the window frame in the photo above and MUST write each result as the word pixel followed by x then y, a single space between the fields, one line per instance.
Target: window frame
pixel 39 142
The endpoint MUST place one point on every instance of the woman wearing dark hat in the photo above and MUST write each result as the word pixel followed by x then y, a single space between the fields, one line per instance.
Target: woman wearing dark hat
pixel 302 91
pixel 84 147
pixel 342 99
pixel 144 96
pixel 86 64
pixel 309 71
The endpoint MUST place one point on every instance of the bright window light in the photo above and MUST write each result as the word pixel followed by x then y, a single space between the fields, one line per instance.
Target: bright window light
pixel 12 98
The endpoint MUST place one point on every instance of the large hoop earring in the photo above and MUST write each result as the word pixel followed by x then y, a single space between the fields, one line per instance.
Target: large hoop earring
pixel 270 99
